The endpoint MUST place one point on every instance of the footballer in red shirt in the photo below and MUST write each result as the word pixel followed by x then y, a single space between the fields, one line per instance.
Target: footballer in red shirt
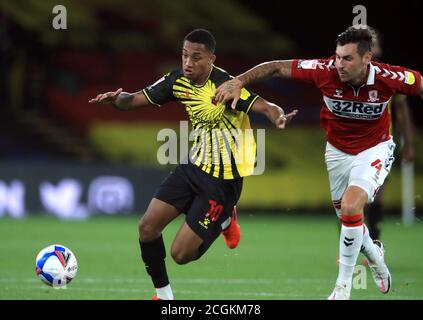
pixel 359 149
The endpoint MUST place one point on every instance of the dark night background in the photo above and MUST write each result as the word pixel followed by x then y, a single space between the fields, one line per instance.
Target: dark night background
pixel 314 25
pixel 49 75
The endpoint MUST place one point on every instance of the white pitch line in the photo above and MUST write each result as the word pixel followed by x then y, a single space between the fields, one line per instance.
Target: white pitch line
pixel 218 295
pixel 241 281
pixel 191 292
pixel 178 280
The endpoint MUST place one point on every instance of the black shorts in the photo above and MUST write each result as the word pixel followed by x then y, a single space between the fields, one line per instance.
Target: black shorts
pixel 207 201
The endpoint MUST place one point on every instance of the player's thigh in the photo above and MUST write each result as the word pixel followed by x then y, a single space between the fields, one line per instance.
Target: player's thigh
pixel 201 228
pixel 177 189
pixel 210 211
pixel 338 165
pixel 185 246
pixel 173 196
pixel 158 215
pixel 371 167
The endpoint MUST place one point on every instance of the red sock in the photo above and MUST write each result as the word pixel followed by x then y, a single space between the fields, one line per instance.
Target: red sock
pixel 352 221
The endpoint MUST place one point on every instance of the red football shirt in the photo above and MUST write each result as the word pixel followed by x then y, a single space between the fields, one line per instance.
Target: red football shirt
pixel 356 119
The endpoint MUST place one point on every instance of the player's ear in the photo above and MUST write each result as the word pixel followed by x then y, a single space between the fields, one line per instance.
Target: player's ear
pixel 368 56
pixel 212 58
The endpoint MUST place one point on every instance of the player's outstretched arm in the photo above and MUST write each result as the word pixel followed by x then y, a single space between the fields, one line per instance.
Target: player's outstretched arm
pixel 122 100
pixel 274 113
pixel 231 89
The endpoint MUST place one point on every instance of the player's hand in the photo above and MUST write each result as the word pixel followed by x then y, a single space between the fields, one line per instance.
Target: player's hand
pixel 229 90
pixel 283 120
pixel 107 97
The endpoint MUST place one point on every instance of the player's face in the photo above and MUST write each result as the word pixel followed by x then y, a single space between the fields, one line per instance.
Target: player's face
pixel 351 66
pixel 196 61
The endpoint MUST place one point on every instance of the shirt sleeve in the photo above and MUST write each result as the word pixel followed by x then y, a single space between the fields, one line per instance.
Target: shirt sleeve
pixel 408 81
pixel 311 71
pixel 161 91
pixel 246 100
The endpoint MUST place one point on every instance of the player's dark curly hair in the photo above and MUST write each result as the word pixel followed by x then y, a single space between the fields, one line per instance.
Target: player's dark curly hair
pixel 362 36
pixel 202 36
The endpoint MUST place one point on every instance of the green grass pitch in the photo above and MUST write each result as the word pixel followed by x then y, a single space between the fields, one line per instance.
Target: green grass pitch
pixel 279 257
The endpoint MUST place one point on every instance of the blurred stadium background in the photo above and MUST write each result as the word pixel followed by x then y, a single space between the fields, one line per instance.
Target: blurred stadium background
pixel 62 159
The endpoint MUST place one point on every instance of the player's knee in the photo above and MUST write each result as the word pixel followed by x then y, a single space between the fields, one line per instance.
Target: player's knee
pixel 146 231
pixel 181 257
pixel 349 208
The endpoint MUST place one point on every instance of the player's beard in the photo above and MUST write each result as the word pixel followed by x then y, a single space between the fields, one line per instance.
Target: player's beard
pixel 344 77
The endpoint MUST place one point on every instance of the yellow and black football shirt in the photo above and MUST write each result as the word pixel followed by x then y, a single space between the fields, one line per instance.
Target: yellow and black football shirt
pixel 224 144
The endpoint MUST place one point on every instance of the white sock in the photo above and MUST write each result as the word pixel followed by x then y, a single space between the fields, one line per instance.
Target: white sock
pixel 165 293
pixel 369 249
pixel 350 242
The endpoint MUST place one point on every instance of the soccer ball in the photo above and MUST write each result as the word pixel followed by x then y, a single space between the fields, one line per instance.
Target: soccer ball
pixel 56 265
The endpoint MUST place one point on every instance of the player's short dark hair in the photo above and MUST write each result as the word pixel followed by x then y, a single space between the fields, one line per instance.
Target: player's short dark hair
pixel 361 36
pixel 376 37
pixel 202 36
